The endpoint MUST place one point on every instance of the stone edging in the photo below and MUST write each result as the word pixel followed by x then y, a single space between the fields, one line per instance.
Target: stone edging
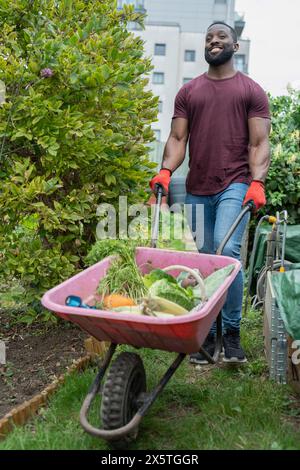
pixel 22 413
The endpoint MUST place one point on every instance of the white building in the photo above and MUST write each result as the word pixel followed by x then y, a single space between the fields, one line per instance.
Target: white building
pixel 174 37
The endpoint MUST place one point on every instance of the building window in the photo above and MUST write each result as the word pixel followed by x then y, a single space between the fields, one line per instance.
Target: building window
pixel 186 80
pixel 158 78
pixel 189 56
pixel 160 106
pixel 221 2
pixel 157 134
pixel 240 62
pixel 160 49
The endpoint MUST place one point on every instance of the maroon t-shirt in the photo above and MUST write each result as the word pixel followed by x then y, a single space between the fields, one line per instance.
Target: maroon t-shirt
pixel 218 113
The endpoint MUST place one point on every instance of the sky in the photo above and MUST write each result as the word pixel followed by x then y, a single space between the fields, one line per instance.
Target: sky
pixel 273 26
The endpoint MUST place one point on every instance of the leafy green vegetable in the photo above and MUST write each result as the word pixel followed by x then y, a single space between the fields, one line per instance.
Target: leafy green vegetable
pixel 214 281
pixel 103 248
pixel 156 275
pixel 173 292
pixel 123 276
pixel 190 292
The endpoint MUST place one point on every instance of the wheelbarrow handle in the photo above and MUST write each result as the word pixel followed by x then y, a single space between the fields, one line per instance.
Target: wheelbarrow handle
pixel 155 227
pixel 249 206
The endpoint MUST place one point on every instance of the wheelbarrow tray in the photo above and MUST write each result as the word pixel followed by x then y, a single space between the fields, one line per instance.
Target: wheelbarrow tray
pixel 182 334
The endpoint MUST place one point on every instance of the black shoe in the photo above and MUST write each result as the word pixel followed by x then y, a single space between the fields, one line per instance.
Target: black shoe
pixel 209 346
pixel 233 351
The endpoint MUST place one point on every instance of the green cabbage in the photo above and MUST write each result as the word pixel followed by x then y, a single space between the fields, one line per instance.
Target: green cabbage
pixel 157 275
pixel 173 292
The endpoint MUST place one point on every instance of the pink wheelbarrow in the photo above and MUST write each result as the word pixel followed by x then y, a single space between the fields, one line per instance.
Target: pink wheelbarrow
pixel 124 397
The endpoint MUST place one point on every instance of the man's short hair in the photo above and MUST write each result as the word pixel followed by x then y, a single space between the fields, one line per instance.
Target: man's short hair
pixel 233 31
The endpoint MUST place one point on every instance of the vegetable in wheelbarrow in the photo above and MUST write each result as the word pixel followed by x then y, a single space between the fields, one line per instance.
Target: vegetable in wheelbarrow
pixel 123 278
pixel 172 292
pixel 157 275
pixel 214 281
pixel 116 300
pixel 156 292
pixel 138 310
pixel 189 297
pixel 155 307
pixel 166 306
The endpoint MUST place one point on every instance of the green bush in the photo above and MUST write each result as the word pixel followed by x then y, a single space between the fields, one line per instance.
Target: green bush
pixel 74 130
pixel 283 181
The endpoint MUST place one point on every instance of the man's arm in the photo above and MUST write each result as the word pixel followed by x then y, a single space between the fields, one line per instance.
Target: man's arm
pixel 259 160
pixel 174 154
pixel 175 147
pixel 259 152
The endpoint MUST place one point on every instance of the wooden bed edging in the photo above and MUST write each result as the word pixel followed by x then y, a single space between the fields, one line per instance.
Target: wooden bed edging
pixel 22 413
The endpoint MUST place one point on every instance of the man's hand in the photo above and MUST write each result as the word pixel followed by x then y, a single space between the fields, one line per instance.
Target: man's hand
pixel 163 178
pixel 256 193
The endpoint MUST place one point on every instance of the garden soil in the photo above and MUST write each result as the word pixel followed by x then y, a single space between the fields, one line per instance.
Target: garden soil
pixel 35 356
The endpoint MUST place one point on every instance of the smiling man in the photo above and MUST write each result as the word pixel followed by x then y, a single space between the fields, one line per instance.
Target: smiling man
pixel 224 115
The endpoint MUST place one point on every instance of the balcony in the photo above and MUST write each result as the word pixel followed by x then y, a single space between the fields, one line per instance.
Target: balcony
pixel 239 24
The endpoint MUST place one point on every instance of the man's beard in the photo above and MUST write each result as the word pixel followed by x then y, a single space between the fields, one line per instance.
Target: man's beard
pixel 220 58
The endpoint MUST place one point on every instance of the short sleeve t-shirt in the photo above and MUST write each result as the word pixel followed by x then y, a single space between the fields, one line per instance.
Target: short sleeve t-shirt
pixel 217 112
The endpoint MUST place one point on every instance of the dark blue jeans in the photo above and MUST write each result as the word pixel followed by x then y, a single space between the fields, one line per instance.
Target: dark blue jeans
pixel 217 214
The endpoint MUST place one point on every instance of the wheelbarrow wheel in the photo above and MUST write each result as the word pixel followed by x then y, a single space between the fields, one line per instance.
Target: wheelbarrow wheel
pixel 125 382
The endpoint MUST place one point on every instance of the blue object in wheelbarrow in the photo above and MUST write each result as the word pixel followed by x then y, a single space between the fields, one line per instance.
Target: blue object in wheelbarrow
pixel 75 301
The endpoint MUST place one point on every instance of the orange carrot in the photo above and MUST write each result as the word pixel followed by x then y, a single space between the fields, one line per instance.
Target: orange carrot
pixel 117 300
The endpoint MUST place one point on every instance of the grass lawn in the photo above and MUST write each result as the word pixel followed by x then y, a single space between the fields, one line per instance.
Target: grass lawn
pixel 207 408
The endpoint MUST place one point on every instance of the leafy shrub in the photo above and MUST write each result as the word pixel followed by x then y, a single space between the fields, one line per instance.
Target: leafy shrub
pixel 74 130
pixel 283 181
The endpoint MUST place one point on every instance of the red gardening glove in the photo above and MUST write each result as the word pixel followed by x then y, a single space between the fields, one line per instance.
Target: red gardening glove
pixel 163 178
pixel 256 192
